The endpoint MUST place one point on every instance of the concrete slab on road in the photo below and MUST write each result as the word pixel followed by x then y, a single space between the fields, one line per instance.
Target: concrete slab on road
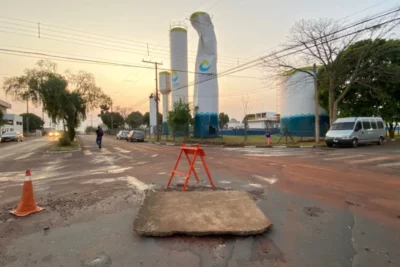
pixel 200 213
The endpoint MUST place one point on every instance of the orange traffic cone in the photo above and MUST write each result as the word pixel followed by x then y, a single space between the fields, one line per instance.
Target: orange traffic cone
pixel 27 203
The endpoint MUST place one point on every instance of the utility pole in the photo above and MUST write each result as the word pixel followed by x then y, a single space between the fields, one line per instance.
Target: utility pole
pixel 27 105
pixel 27 125
pixel 156 68
pixel 316 96
pixel 112 121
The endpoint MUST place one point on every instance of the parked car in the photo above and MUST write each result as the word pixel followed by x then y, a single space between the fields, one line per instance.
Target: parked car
pixel 135 135
pixel 122 135
pixel 356 130
pixel 12 137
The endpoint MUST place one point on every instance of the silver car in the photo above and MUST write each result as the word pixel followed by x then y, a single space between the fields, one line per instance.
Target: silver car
pixel 356 130
pixel 135 135
pixel 122 135
pixel 12 137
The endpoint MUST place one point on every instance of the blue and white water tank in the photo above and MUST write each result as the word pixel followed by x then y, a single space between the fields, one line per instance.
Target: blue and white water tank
pixel 297 105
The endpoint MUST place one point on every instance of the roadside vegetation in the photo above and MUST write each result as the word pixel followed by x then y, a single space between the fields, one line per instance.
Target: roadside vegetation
pixel 63 147
pixel 65 98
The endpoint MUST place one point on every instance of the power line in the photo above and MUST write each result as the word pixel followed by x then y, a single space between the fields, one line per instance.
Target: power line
pixel 37 54
pixel 230 71
pixel 255 62
pixel 90 44
pixel 128 42
pixel 382 12
pixel 239 68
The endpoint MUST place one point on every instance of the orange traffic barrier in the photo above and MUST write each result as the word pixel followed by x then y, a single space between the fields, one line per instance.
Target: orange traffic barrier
pixel 195 151
pixel 27 204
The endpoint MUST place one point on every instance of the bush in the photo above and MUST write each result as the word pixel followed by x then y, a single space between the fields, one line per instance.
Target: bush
pixel 65 141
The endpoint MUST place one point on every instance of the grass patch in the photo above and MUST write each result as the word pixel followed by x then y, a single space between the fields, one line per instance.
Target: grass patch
pixel 56 147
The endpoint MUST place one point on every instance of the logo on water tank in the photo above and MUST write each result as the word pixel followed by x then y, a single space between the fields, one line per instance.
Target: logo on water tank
pixel 204 65
pixel 174 76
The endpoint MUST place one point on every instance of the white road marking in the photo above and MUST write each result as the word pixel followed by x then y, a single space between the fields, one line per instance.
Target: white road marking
pixel 270 180
pixel 124 156
pixel 391 164
pixel 369 160
pixel 105 151
pixel 267 155
pixel 99 181
pixel 136 183
pixel 122 150
pixel 256 185
pixel 87 152
pixel 155 155
pixel 24 156
pixel 141 163
pixel 224 182
pixel 119 170
pixel 161 173
pixel 346 157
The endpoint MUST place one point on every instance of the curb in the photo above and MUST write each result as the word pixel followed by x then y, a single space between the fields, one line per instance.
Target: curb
pixel 232 146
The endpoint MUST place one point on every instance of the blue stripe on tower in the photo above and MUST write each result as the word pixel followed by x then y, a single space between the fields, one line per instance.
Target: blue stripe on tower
pixel 206 125
pixel 303 124
pixel 165 130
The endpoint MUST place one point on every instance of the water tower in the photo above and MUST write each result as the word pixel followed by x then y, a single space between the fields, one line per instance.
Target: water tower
pixel 179 61
pixel 153 114
pixel 297 112
pixel 206 84
pixel 165 89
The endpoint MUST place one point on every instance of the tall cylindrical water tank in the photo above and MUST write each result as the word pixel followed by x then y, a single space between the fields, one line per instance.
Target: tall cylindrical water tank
pixel 165 89
pixel 153 114
pixel 179 62
pixel 298 106
pixel 206 84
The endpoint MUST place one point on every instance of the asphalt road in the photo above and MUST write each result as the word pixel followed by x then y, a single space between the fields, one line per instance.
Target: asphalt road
pixel 329 207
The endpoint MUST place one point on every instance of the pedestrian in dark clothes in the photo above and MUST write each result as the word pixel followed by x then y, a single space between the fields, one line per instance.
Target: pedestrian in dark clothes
pixel 99 133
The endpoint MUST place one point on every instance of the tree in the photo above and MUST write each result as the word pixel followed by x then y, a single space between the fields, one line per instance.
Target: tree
pixel 180 117
pixel 35 122
pixel 146 119
pixel 134 119
pixel 323 42
pixel 84 83
pixel 65 99
pixel 124 111
pixel 223 120
pixel 375 92
pixel 117 120
pixel 90 129
pixel 2 122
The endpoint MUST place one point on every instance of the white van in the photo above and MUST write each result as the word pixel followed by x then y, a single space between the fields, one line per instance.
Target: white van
pixel 356 130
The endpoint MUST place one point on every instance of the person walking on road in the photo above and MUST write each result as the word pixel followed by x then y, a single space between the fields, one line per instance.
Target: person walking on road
pixel 99 133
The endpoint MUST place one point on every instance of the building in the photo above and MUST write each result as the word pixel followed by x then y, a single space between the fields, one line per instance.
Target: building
pixel 263 120
pixel 3 108
pixel 234 124
pixel 13 123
